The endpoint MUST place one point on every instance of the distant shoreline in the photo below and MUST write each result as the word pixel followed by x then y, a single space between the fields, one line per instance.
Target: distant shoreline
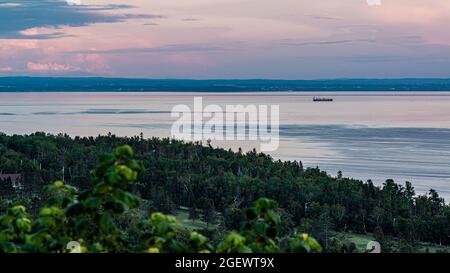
pixel 53 84
pixel 253 93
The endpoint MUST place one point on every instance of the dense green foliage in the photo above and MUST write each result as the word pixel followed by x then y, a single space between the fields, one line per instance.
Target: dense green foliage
pixel 216 185
pixel 90 218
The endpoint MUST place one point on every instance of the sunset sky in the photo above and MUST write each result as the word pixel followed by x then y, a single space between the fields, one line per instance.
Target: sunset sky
pixel 283 39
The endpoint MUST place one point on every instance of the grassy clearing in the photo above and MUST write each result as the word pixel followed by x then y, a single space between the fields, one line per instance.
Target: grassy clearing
pixel 433 248
pixel 183 217
pixel 361 240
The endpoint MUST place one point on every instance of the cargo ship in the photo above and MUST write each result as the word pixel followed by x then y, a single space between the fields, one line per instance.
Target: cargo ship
pixel 318 99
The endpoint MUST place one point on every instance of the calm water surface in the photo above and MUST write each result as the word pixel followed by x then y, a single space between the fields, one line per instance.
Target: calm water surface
pixel 404 136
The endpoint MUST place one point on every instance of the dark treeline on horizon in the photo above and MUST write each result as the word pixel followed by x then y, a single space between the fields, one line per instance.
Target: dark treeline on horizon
pixel 99 84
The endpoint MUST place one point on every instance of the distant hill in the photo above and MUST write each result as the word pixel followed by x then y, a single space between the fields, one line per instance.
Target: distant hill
pixel 40 84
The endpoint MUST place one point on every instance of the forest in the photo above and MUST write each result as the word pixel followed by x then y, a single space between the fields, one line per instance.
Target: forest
pixel 75 189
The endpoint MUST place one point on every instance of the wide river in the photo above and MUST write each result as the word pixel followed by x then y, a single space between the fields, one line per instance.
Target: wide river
pixel 403 136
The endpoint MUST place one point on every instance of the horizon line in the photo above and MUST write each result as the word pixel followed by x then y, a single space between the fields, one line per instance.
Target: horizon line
pixel 226 79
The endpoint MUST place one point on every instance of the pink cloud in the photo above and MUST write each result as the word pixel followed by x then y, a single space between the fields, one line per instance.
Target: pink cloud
pixel 13 46
pixel 94 63
pixel 51 67
pixel 6 69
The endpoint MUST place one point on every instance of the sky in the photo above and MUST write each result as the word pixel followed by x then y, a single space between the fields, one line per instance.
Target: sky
pixel 226 39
